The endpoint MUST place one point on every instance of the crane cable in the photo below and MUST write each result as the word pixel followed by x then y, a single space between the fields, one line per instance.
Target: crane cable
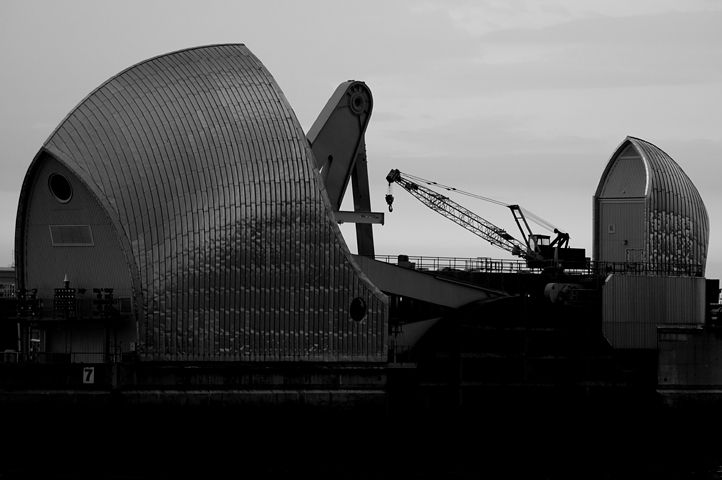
pixel 530 215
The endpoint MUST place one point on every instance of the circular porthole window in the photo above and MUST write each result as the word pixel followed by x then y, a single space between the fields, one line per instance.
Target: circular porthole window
pixel 60 188
pixel 358 309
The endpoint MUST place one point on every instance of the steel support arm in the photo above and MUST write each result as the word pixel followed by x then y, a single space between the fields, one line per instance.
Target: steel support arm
pixel 338 145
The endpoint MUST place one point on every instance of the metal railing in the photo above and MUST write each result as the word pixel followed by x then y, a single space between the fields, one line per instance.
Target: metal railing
pixel 654 269
pixel 82 308
pixel 116 356
pixel 439 264
pixel 403 354
pixel 490 265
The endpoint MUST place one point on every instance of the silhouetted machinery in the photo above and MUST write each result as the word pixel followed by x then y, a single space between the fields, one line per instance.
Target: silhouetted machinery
pixel 536 249
pixel 337 139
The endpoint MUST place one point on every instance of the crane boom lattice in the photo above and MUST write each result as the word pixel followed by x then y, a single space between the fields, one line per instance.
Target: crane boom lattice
pixel 464 217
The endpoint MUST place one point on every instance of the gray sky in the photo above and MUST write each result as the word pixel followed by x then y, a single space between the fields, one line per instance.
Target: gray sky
pixel 523 101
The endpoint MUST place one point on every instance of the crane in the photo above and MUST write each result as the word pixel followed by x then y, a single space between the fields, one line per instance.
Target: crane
pixel 535 248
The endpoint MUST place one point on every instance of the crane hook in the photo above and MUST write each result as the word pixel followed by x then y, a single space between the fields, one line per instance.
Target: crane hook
pixel 390 199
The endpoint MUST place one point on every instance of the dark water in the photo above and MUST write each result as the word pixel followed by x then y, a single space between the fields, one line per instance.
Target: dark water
pixel 163 442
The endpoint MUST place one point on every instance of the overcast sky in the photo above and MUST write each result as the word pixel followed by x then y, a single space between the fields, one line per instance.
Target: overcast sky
pixel 523 101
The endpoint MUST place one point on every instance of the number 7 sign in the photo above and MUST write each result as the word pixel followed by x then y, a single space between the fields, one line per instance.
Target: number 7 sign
pixel 89 375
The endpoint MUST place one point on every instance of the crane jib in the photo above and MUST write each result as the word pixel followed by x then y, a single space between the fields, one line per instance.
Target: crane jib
pixel 532 246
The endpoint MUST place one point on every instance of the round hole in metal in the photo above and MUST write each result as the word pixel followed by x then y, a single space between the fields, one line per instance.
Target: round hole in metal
pixel 358 309
pixel 60 188
pixel 358 103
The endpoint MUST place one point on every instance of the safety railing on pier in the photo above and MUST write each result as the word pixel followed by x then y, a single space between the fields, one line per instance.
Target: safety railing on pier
pixel 589 267
pixel 437 264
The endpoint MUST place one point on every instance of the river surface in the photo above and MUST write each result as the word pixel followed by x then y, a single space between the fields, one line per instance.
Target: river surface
pixel 238 443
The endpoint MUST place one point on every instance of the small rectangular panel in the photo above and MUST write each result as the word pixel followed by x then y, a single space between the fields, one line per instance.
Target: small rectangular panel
pixel 71 235
pixel 359 217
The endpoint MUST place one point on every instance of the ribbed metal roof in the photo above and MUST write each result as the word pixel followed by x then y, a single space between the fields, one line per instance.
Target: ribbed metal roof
pixel 203 168
pixel 676 220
